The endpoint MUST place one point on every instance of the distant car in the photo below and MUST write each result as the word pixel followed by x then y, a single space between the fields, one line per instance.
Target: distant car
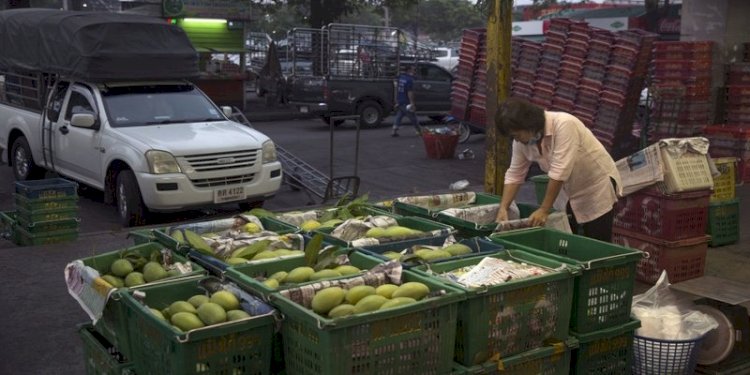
pixel 447 58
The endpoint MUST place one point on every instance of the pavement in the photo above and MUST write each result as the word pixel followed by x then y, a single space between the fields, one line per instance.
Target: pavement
pixel 39 323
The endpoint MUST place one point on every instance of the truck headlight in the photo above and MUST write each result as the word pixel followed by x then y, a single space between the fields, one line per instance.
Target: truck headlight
pixel 161 162
pixel 269 152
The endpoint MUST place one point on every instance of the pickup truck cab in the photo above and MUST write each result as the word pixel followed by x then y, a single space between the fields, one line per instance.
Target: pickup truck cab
pixel 447 58
pixel 372 99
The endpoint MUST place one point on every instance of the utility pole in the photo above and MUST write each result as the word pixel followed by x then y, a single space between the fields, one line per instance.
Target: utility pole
pixel 499 29
pixel 387 16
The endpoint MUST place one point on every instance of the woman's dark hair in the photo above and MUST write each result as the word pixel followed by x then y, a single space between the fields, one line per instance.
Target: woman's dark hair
pixel 517 114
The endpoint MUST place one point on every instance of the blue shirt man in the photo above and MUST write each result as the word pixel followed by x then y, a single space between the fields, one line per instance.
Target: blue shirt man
pixel 405 104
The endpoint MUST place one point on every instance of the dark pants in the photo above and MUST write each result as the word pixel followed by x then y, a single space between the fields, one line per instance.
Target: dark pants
pixel 400 113
pixel 599 228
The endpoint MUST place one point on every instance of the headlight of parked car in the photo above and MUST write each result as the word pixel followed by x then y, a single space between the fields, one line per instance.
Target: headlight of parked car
pixel 269 152
pixel 161 162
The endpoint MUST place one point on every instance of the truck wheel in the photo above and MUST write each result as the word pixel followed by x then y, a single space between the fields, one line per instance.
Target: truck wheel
pixel 130 206
pixel 370 114
pixel 22 160
pixel 464 132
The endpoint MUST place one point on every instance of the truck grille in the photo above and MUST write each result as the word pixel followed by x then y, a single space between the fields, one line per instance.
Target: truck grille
pixel 223 161
pixel 223 181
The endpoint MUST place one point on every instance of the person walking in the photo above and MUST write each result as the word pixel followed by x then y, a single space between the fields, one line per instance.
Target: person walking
pixel 405 104
pixel 574 160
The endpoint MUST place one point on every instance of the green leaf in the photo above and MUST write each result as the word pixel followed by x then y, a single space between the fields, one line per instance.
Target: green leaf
pixel 324 261
pixel 198 243
pixel 312 249
pixel 259 213
pixel 249 251
pixel 327 215
pixel 344 214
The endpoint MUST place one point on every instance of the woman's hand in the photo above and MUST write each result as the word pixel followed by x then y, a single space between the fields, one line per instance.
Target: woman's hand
pixel 502 215
pixel 538 218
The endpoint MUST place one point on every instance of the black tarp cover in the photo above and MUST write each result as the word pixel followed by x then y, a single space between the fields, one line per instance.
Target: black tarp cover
pixel 96 47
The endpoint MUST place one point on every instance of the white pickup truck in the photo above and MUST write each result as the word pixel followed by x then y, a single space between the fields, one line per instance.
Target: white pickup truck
pixel 150 145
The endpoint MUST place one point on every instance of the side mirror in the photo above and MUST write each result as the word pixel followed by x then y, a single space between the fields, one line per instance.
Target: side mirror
pixel 227 111
pixel 83 120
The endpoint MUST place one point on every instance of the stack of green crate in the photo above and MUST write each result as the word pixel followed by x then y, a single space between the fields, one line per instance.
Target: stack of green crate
pixel 46 212
pixel 724 210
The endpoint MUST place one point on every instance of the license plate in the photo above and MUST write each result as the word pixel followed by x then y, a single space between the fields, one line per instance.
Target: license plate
pixel 303 109
pixel 229 194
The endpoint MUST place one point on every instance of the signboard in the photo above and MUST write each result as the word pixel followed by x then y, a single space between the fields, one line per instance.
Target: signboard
pixel 611 23
pixel 224 9
pixel 525 28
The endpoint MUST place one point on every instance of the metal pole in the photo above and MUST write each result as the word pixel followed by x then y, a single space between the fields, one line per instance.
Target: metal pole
pixel 499 31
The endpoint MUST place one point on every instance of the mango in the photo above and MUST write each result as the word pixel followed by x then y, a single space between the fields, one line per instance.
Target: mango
pixel 178 236
pixel 457 249
pixel 386 290
pixel 197 300
pixel 326 299
pixel 330 223
pixel 299 275
pixel 279 276
pixel 358 292
pixel 236 261
pixel 114 281
pixel 344 309
pixel 392 255
pixel 121 267
pixel 158 314
pixel 268 254
pixel 376 232
pixel 412 289
pixel 233 315
pixel 310 225
pixel 369 303
pixel 432 255
pixel 271 283
pixel 225 299
pixel 347 270
pixel 397 302
pixel 182 306
pixel 186 321
pixel 167 314
pixel 324 274
pixel 251 228
pixel 134 279
pixel 153 271
pixel 211 313
pixel 398 231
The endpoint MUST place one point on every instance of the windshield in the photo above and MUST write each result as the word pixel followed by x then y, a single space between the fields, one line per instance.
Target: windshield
pixel 142 105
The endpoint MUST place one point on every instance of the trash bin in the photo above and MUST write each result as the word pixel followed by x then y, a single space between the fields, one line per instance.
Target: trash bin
pixel 673 357
pixel 440 146
pixel 540 186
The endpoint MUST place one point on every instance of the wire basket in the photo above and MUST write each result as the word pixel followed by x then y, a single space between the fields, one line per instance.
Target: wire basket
pixel 665 357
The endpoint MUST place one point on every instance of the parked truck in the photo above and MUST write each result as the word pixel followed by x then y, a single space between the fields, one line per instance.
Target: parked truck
pixel 354 72
pixel 105 99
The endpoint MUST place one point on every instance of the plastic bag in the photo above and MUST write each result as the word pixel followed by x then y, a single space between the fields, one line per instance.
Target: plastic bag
pixel 665 315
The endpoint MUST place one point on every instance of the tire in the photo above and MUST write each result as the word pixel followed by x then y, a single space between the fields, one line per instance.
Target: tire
pixel 464 132
pixel 370 114
pixel 327 120
pixel 128 199
pixel 247 206
pixel 22 161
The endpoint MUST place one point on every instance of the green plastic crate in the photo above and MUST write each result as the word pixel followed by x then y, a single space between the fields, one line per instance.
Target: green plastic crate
pixel 540 186
pixel 113 325
pixel 35 204
pixel 431 229
pixel 512 317
pixel 141 236
pixel 46 214
pixel 244 275
pixel 42 227
pixel 23 238
pixel 724 222
pixel 606 351
pixel 477 245
pixel 412 339
pixel 237 347
pixel 468 229
pixel 604 289
pixel 162 235
pixel 7 222
pixel 551 359
pixel 46 189
pixel 406 209
pixel 101 357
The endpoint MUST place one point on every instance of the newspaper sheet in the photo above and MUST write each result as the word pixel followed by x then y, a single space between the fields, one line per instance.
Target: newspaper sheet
pixel 641 169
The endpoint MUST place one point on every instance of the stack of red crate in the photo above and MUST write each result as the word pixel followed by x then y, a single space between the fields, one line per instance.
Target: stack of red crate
pixel 472 41
pixel 478 97
pixel 592 75
pixel 621 87
pixel 738 94
pixel 731 141
pixel 670 228
pixel 681 89
pixel 526 55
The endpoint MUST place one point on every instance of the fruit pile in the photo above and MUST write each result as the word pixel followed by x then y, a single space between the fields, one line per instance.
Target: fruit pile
pixel 201 310
pixel 336 302
pixel 240 250
pixel 304 274
pixel 429 253
pixel 133 269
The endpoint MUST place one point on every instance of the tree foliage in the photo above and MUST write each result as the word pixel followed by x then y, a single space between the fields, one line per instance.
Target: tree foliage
pixel 323 12
pixel 441 20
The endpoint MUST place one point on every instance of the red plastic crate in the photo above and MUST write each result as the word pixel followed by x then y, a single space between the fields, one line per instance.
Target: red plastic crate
pixel 683 260
pixel 683 55
pixel 669 217
pixel 683 46
pixel 689 65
